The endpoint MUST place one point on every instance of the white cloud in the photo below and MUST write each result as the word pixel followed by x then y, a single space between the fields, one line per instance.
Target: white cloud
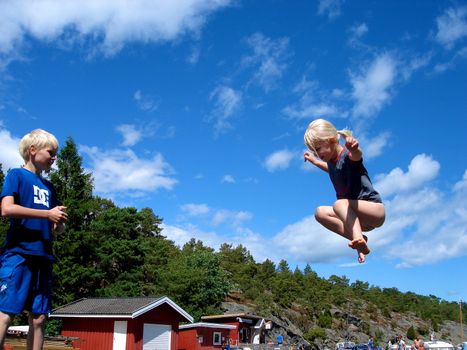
pixel 269 59
pixel 227 102
pixel 452 26
pixel 330 8
pixel 9 157
pixel 233 218
pixel 195 209
pixel 371 89
pixel 107 23
pixel 422 169
pixel 131 136
pixel 228 179
pixel 310 242
pixel 145 102
pixel 278 160
pixel 374 147
pixel 356 33
pixel 122 171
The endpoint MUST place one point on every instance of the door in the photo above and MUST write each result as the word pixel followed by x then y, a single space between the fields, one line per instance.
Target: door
pixel 119 335
pixel 156 336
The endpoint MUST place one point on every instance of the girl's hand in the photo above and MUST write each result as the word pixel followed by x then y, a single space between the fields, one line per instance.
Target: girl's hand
pixel 351 143
pixel 308 156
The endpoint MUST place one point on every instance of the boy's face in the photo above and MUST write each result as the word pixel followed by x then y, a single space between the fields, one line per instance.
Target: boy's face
pixel 43 158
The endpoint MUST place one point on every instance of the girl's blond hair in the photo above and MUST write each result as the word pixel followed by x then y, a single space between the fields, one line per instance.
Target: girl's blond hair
pixel 322 130
pixel 38 138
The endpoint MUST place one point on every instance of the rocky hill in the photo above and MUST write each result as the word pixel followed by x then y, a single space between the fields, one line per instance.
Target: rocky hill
pixel 348 325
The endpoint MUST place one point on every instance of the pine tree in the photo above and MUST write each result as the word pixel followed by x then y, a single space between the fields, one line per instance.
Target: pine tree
pixel 73 185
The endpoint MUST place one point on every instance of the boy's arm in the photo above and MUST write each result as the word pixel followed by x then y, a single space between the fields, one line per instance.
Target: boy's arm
pixel 315 161
pixel 12 210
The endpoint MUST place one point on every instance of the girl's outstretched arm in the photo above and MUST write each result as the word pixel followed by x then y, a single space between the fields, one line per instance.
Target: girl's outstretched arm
pixel 308 156
pixel 352 144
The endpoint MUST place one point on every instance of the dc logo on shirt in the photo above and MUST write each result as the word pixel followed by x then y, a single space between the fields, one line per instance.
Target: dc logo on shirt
pixel 41 196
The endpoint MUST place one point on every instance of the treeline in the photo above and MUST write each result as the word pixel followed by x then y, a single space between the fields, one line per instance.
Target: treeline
pixel 111 251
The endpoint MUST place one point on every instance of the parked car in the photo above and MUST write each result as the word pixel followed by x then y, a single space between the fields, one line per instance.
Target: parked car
pixel 462 346
pixel 345 345
pixel 361 347
pixel 437 345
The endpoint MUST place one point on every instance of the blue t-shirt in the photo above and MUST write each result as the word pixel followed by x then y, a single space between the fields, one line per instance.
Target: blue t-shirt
pixel 29 236
pixel 350 179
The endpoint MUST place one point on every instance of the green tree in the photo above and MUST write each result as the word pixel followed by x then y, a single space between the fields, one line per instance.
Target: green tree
pixel 195 280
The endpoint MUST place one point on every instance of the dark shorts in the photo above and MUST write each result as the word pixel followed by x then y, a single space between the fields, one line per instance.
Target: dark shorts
pixel 25 284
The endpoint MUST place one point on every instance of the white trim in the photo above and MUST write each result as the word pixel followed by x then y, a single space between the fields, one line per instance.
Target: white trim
pixel 207 325
pixel 260 323
pixel 133 315
pixel 214 335
pixel 160 302
pixel 244 320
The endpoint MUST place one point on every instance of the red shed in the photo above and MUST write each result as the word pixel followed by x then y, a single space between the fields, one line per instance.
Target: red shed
pixel 141 323
pixel 250 329
pixel 204 335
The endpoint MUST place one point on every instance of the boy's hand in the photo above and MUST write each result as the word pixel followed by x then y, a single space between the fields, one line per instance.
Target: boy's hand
pixel 57 214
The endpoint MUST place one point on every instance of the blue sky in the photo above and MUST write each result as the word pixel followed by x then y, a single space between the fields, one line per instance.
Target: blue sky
pixel 197 109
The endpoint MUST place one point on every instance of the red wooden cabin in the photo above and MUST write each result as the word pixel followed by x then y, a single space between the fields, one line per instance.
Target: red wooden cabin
pixel 204 336
pixel 123 323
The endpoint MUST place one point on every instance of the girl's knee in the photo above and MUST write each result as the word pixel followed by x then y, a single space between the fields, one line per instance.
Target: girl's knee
pixel 322 213
pixel 340 204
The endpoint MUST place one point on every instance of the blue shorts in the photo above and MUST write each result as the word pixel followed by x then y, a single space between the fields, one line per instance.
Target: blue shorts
pixel 25 284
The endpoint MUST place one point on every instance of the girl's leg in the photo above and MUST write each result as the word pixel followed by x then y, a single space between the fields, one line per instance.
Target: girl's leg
pixel 358 216
pixel 327 217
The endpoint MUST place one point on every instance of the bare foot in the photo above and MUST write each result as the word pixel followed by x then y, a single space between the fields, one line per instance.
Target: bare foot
pixel 360 245
pixel 361 257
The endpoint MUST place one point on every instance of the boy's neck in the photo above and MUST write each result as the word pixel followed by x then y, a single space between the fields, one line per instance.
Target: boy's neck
pixel 30 166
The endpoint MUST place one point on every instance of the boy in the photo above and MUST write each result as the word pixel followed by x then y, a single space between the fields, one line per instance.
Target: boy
pixel 30 202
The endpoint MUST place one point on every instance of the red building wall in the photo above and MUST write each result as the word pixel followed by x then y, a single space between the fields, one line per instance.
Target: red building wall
pixel 97 333
pixel 189 338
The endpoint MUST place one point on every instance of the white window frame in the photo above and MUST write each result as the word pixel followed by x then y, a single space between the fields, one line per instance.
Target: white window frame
pixel 217 335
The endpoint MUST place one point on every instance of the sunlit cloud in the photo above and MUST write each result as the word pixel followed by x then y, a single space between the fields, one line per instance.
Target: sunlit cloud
pixel 227 102
pixel 124 172
pixel 107 25
pixel 452 26
pixel 421 169
pixel 9 157
pixel 371 89
pixel 269 59
pixel 131 136
pixel 228 179
pixel 145 102
pixel 330 8
pixel 278 160
pixel 193 209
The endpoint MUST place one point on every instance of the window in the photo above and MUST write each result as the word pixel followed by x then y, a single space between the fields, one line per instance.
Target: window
pixel 216 340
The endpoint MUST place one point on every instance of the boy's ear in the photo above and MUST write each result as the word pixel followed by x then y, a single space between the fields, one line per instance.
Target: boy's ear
pixel 32 149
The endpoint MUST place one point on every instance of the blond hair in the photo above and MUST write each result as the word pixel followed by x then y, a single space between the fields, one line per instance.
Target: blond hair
pixel 38 138
pixel 322 130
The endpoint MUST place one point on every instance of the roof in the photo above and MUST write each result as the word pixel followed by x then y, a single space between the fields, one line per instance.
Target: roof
pixel 241 315
pixel 115 307
pixel 207 325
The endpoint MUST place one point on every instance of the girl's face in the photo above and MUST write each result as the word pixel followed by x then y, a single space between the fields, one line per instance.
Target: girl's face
pixel 326 150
